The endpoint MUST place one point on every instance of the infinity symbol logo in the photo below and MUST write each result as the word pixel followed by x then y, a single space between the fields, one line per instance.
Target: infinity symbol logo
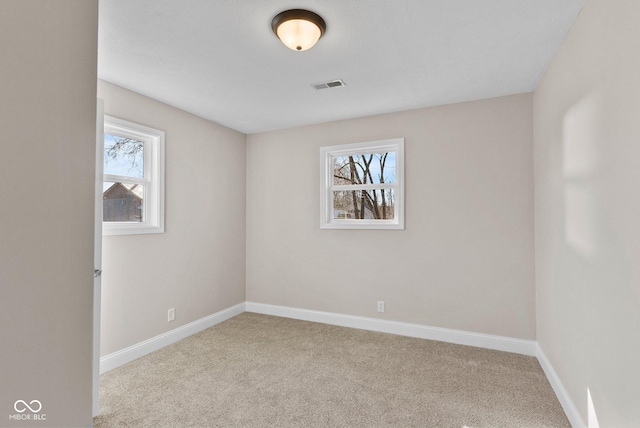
pixel 26 406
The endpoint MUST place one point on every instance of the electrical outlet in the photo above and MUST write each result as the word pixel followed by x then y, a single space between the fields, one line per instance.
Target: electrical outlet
pixel 380 306
pixel 171 314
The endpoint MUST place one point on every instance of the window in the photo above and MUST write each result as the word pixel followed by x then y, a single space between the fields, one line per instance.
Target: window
pixel 362 185
pixel 133 188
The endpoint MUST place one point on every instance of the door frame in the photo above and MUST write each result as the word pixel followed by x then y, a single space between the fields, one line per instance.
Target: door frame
pixel 97 256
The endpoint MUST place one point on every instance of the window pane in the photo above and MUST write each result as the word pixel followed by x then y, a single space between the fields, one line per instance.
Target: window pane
pixel 123 156
pixel 364 204
pixel 366 168
pixel 122 202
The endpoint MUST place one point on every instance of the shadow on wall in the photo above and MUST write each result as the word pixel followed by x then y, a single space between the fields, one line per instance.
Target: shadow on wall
pixel 593 271
pixel 581 204
pixel 580 164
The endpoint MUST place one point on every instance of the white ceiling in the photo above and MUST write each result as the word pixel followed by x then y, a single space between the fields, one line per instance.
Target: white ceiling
pixel 220 60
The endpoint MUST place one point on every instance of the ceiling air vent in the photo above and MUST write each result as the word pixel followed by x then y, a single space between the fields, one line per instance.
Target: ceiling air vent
pixel 330 84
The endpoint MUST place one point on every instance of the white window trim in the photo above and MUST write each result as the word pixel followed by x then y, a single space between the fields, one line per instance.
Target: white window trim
pixel 153 178
pixel 327 187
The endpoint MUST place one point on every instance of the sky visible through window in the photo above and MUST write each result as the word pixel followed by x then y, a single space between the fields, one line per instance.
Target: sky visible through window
pixel 130 165
pixel 374 167
pixel 126 160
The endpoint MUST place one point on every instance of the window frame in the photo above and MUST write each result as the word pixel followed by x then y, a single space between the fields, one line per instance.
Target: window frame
pixel 153 177
pixel 327 186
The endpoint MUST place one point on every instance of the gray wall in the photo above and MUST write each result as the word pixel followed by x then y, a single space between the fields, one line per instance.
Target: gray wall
pixel 587 178
pixel 47 144
pixel 198 265
pixel 465 260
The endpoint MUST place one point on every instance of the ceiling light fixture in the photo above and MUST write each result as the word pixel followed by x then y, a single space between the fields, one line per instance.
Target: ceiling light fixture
pixel 298 29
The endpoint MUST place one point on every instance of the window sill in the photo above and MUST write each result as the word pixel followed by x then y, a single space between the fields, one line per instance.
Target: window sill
pixel 115 229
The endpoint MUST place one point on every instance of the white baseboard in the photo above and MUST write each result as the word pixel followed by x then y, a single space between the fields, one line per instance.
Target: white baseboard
pixel 566 402
pixel 500 343
pixel 111 361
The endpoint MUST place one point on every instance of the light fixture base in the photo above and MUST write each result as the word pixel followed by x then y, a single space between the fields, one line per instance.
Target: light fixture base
pixel 298 29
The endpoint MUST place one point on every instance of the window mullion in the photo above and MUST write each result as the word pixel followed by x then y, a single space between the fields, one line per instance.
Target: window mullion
pixel 125 179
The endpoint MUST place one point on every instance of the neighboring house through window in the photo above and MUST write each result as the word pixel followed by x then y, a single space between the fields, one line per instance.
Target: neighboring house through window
pixel 133 190
pixel 362 185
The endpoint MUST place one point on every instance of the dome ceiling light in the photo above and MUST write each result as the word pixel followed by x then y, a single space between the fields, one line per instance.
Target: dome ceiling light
pixel 298 29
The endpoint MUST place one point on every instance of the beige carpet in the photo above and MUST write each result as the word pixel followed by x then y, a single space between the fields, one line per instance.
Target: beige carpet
pixel 258 371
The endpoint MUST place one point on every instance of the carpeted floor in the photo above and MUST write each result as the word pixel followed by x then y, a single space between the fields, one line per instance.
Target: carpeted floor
pixel 258 371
